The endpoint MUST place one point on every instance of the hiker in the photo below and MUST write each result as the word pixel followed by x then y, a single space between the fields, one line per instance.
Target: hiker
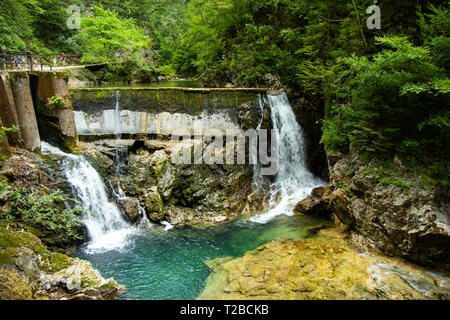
pixel 63 59
pixel 54 61
pixel 17 62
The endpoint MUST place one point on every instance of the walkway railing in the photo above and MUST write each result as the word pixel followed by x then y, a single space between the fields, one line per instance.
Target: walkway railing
pixel 24 61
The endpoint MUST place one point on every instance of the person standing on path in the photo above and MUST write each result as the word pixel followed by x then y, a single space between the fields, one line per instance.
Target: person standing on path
pixel 63 58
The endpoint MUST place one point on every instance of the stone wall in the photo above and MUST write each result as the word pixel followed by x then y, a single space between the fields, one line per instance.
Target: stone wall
pixel 8 112
pixel 161 111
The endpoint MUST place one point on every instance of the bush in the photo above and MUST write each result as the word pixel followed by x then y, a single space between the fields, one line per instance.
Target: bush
pixel 43 211
pixel 394 103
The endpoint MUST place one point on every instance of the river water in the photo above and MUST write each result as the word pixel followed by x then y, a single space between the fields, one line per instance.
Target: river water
pixel 169 265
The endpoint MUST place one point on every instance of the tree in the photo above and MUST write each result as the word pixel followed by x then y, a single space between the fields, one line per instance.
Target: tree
pixel 104 38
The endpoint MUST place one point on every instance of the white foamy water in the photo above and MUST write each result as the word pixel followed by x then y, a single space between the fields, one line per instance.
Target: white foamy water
pixel 167 225
pixel 103 219
pixel 294 182
pixel 257 178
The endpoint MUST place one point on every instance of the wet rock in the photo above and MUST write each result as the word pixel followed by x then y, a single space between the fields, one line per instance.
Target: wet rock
pixel 325 268
pixel 317 205
pixel 154 205
pixel 167 181
pixel 140 173
pixel 105 162
pixel 308 112
pixel 204 193
pixel 248 116
pixel 314 229
pixel 181 216
pixel 131 209
pixel 402 219
pixel 176 216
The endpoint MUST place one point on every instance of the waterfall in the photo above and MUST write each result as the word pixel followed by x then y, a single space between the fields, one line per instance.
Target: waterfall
pixel 103 219
pixel 293 182
pixel 120 152
pixel 257 178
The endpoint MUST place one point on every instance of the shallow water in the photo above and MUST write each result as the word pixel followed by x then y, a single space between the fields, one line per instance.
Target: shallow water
pixel 169 265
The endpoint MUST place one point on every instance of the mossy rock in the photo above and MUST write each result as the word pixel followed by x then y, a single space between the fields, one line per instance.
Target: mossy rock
pixel 323 268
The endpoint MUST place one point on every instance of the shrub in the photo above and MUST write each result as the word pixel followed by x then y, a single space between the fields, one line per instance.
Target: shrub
pixel 44 211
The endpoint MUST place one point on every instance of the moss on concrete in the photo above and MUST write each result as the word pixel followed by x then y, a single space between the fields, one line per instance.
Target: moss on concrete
pixel 202 90
pixel 186 100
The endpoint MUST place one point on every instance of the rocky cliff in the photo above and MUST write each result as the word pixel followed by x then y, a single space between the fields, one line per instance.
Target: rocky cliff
pixel 391 209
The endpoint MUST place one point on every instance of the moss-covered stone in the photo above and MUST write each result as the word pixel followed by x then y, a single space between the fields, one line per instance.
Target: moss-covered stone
pixel 323 268
pixel 28 270
pixel 154 205
pixel 186 100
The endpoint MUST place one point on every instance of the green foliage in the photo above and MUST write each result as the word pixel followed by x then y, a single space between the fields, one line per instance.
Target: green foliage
pixel 47 211
pixel 435 27
pixel 393 102
pixel 16 29
pixel 383 92
pixel 57 102
pixel 105 38
pixel 394 181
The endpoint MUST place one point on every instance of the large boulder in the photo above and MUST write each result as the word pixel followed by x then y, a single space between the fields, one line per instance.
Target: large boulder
pixel 317 205
pixel 28 270
pixel 131 208
pixel 396 213
pixel 154 205
pixel 179 217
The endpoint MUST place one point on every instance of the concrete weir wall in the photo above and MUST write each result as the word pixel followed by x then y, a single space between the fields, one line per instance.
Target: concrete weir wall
pixel 24 104
pixel 162 111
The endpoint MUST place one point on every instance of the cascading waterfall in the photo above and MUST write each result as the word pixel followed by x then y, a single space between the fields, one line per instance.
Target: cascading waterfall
pixel 103 219
pixel 294 182
pixel 257 178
